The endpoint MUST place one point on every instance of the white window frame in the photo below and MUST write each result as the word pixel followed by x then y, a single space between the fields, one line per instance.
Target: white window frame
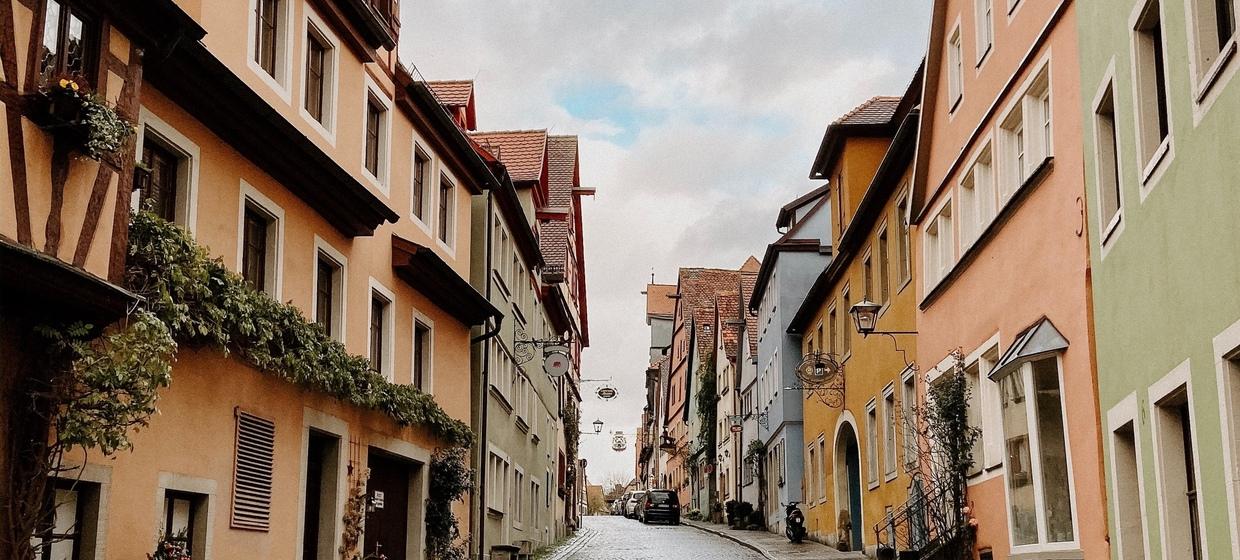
pixel 955 68
pixel 891 458
pixel 371 90
pixel 979 202
pixel 1125 412
pixel 313 24
pixel 450 244
pixel 1179 378
pixel 873 466
pixel 187 172
pixel 1109 229
pixel 428 195
pixel 1150 168
pixel 420 318
pixel 1035 466
pixel 389 325
pixel 284 52
pixel 939 245
pixel 1209 69
pixel 340 289
pixel 910 441
pixel 1227 364
pixel 985 23
pixel 251 196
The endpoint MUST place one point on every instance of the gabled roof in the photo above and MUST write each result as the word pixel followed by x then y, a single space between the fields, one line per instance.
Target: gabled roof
pixel 790 241
pixel 658 302
pixel 1037 341
pixel 562 170
pixel 523 152
pixel 786 213
pixel 452 93
pixel 874 117
pixel 553 242
pixel 751 319
pixel 727 306
pixel 698 289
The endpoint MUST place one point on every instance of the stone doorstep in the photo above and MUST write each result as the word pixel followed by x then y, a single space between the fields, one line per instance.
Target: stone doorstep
pixel 772 546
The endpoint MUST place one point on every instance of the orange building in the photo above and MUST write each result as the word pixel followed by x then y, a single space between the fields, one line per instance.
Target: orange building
pixel 286 139
pixel 856 462
pixel 1003 268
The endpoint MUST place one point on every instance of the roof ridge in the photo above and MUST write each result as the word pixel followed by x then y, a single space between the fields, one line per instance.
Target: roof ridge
pixel 866 105
pixel 511 131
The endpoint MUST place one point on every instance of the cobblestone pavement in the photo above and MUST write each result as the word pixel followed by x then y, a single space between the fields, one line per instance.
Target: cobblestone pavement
pixel 613 537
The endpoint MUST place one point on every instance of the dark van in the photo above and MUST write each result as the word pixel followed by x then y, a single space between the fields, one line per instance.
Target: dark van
pixel 659 505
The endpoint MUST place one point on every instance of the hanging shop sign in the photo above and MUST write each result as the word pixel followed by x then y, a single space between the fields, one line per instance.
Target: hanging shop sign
pixel 606 392
pixel 618 442
pixel 555 363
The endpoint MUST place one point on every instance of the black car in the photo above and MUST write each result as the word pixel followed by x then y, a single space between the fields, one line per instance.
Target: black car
pixel 659 505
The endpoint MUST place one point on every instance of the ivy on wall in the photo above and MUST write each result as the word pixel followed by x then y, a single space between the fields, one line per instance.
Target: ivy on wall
pixel 707 397
pixel 203 304
pixel 451 478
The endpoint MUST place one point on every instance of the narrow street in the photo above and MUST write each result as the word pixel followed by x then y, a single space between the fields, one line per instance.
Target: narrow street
pixel 613 537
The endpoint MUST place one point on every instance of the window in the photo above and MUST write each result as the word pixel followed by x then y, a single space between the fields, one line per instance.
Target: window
pixel 940 247
pixel 889 432
pixel 68 529
pixel 871 443
pixel 908 407
pixel 380 331
pixel 833 329
pixel 1127 493
pixel 1015 166
pixel 985 28
pixel 905 245
pixel 1175 452
pixel 421 165
pixel 447 204
pixel 955 70
pixel 497 484
pixel 268 36
pixel 180 513
pixel 1110 201
pixel 977 198
pixel 70 44
pixel 156 179
pixel 328 295
pixel 884 274
pixel 321 485
pixel 846 331
pixel 258 248
pixel 421 356
pixel 973 415
pixel 1153 121
pixel 1039 494
pixel 320 75
pixel 867 273
pixel 251 506
pixel 518 506
pixel 375 124
pixel 1212 25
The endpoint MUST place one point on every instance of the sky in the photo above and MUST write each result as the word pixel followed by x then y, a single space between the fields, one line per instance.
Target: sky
pixel 697 120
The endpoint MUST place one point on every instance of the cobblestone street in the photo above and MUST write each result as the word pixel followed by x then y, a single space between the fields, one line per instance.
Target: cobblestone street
pixel 616 538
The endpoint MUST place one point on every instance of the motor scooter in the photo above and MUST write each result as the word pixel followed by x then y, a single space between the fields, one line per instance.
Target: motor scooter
pixel 794 523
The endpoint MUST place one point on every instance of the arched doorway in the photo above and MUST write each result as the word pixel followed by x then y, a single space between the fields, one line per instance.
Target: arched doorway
pixel 848 485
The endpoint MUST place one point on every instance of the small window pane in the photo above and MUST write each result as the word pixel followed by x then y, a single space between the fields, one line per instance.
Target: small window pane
pixel 1052 452
pixel 1019 468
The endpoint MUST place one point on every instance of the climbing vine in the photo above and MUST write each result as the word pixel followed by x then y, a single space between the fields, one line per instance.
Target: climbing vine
pixel 707 397
pixel 203 304
pixel 451 478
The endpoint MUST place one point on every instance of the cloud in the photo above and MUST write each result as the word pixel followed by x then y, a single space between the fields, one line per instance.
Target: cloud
pixel 698 119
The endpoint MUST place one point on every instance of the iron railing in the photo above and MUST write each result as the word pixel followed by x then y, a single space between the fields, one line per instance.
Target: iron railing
pixel 929 522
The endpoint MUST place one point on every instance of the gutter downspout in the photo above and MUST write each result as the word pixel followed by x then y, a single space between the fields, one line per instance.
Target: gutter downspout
pixel 480 528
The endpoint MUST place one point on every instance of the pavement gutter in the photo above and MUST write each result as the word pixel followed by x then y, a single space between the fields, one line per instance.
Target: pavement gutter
pixel 765 553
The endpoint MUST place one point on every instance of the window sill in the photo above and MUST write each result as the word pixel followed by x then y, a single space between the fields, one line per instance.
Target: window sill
pixel 503 401
pixel 523 425
pixel 889 476
pixel 494 513
pixel 1048 553
pixel 873 484
pixel 1013 204
pixel 1211 77
pixel 1161 157
pixel 981 61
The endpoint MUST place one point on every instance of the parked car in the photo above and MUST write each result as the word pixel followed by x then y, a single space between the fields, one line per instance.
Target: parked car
pixel 630 506
pixel 617 506
pixel 622 504
pixel 659 505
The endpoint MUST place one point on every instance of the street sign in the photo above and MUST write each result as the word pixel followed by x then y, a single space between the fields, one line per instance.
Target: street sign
pixel 555 363
pixel 606 393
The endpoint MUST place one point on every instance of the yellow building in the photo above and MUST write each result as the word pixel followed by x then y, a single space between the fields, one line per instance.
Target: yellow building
pixel 854 450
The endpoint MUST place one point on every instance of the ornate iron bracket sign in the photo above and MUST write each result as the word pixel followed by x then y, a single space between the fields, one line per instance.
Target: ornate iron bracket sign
pixel 526 348
pixel 763 418
pixel 821 375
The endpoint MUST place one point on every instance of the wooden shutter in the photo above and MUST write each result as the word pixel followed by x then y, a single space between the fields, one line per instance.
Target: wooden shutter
pixel 252 473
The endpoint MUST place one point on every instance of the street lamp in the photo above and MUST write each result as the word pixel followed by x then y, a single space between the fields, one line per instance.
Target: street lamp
pixel 598 426
pixel 865 318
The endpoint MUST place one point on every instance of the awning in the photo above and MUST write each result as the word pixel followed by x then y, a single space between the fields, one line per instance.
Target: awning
pixel 54 290
pixel 1040 340
pixel 427 273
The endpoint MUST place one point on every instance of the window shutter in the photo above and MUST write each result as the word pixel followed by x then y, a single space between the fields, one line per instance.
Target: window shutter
pixel 252 474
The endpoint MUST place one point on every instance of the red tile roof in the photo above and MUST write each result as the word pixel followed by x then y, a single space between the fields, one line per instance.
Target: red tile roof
pixel 658 304
pixel 452 93
pixel 561 170
pixel 553 242
pixel 698 288
pixel 728 306
pixel 751 319
pixel 876 110
pixel 522 152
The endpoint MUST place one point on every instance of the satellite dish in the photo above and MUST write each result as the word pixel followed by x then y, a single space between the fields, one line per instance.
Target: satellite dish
pixel 555 364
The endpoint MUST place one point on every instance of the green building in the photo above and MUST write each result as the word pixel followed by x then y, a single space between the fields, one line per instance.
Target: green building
pixel 1162 121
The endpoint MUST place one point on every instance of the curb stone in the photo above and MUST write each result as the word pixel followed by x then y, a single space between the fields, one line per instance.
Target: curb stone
pixel 736 540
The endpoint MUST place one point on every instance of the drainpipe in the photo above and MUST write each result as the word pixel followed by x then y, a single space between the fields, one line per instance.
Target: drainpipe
pixel 480 525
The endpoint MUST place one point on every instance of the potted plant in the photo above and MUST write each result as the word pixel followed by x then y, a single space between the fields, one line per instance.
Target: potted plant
pixel 82 118
pixel 756 520
pixel 170 549
pixel 729 508
pixel 743 510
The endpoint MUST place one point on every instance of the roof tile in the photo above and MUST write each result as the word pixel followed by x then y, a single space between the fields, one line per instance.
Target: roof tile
pixel 521 151
pixel 561 170
pixel 452 93
pixel 876 110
